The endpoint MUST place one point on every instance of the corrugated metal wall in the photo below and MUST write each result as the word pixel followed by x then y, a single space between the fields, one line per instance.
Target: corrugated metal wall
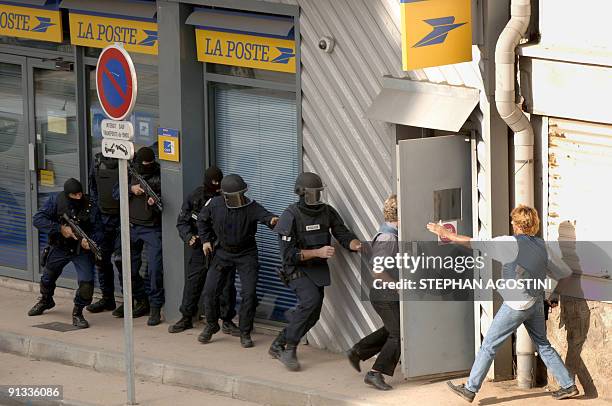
pixel 354 155
pixel 580 163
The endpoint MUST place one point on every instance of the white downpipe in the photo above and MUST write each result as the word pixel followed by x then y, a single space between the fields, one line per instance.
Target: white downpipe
pixel 516 119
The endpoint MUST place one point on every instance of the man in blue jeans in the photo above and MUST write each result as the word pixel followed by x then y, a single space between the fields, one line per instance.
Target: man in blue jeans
pixel 524 257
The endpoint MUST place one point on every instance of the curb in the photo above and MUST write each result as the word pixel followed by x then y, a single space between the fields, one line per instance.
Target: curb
pixel 238 387
pixel 11 401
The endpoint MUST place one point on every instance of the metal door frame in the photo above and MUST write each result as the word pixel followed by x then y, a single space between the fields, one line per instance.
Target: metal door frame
pixel 28 273
pixel 28 65
pixel 32 64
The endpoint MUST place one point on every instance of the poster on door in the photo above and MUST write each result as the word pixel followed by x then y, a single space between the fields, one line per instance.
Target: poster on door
pixel 451 226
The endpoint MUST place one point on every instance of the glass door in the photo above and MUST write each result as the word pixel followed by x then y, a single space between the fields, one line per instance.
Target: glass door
pixel 15 219
pixel 39 150
pixel 54 133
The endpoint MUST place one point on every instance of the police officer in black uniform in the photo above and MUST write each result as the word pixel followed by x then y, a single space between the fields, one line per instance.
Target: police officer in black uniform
pixel 64 247
pixel 145 231
pixel 103 177
pixel 305 245
pixel 197 268
pixel 231 220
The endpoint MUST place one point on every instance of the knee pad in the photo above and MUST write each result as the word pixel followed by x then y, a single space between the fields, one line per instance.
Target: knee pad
pixel 86 290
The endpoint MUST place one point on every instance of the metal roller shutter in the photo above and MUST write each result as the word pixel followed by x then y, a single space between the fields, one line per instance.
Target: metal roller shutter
pixel 256 137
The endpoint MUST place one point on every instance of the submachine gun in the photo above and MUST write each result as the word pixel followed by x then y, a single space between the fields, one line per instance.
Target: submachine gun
pixel 144 185
pixel 81 235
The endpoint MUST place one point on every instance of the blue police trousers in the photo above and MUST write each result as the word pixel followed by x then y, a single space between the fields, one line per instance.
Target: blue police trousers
pixel 58 258
pixel 110 244
pixel 307 313
pixel 152 285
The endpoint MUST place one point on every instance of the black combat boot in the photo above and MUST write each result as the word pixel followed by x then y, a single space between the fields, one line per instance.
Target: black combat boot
pixel 289 358
pixel 246 341
pixel 118 312
pixel 183 324
pixel 77 318
pixel 104 304
pixel 229 327
pixel 141 308
pixel 206 334
pixel 277 346
pixel 154 317
pixel 42 305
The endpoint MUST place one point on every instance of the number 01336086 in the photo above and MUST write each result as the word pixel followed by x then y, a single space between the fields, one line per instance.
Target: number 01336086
pixel 39 392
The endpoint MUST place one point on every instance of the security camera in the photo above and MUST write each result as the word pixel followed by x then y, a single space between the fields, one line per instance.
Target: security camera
pixel 326 44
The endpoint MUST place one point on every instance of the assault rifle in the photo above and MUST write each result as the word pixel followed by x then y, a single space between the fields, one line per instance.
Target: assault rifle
pixel 144 185
pixel 81 235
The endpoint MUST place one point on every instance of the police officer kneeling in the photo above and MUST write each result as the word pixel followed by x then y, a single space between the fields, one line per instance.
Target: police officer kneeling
pixel 305 245
pixel 232 220
pixel 64 247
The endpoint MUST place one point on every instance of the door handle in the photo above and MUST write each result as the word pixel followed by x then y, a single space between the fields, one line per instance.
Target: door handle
pixel 32 156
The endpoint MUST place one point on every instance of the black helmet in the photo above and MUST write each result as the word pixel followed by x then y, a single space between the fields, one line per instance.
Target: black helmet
pixel 233 188
pixel 310 186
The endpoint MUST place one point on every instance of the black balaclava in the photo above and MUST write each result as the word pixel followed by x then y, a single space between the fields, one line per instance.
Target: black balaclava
pixel 212 174
pixel 72 186
pixel 145 154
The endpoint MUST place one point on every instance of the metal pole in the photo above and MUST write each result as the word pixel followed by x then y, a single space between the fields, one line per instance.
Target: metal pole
pixel 128 324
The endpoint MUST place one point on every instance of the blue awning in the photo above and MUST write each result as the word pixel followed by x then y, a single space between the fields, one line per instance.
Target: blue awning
pixel 35 3
pixel 128 8
pixel 242 23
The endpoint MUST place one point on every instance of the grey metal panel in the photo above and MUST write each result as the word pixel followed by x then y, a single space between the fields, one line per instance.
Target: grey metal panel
pixel 242 22
pixel 435 106
pixel 180 107
pixel 354 155
pixel 445 343
pixel 116 7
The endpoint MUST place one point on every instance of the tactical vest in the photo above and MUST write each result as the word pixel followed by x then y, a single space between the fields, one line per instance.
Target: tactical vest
pixel 107 176
pixel 313 232
pixel 140 211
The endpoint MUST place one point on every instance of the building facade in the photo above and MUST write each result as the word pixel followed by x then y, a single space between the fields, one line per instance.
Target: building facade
pixel 565 82
pixel 314 111
pixel 341 108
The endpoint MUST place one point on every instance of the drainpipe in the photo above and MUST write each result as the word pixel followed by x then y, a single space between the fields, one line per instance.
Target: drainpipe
pixel 511 113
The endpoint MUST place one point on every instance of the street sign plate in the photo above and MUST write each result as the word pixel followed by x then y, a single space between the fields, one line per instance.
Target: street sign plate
pixel 119 149
pixel 117 130
pixel 116 82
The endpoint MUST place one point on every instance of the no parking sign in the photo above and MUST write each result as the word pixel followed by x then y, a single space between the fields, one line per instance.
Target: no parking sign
pixel 116 82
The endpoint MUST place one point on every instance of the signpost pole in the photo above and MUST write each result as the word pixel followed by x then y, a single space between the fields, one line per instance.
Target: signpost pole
pixel 127 281
pixel 115 66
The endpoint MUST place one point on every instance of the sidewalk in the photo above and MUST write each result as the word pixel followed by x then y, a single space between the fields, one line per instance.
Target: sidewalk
pixel 222 366
pixel 84 387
